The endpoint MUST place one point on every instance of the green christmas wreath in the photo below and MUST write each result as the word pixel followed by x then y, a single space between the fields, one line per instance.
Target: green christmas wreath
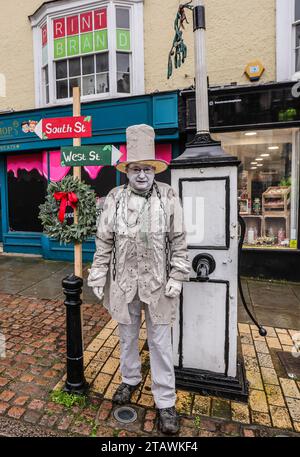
pixel 69 193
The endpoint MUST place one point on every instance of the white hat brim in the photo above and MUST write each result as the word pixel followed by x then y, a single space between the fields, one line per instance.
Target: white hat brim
pixel 158 165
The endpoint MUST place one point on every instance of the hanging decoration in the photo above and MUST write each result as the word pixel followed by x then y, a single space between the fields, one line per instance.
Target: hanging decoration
pixel 179 48
pixel 57 216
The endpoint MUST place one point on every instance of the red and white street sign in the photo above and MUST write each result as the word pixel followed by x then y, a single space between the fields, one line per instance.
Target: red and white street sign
pixel 64 127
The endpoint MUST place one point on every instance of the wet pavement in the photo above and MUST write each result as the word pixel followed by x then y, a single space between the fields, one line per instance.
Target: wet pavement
pixel 38 278
pixel 274 304
pixel 32 320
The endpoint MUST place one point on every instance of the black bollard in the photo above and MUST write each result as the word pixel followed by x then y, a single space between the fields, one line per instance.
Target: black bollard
pixel 75 383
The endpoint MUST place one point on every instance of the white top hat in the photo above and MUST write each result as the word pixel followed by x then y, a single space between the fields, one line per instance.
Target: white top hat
pixel 141 148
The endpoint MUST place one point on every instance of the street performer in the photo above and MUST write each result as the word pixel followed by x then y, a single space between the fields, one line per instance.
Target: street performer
pixel 140 262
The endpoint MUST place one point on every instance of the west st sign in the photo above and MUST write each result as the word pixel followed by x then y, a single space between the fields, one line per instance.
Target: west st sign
pixel 83 156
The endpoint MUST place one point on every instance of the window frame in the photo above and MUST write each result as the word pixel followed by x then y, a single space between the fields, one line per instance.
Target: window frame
pixel 81 76
pixel 285 39
pixel 48 12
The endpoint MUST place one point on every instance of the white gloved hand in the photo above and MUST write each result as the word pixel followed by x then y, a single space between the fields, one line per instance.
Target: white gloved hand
pixel 173 288
pixel 98 291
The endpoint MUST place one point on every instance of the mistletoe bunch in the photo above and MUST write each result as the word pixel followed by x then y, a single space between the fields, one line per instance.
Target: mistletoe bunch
pixel 179 49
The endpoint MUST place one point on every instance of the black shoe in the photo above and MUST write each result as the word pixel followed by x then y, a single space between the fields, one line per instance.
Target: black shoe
pixel 123 393
pixel 168 421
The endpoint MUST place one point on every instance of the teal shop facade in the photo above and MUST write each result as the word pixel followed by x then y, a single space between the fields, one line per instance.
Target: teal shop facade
pixel 26 163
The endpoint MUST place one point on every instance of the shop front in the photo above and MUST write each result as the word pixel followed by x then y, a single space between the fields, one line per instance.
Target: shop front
pixel 28 164
pixel 260 126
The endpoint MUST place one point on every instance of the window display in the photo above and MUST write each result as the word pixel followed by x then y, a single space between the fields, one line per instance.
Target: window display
pixel 26 186
pixel 29 174
pixel 268 184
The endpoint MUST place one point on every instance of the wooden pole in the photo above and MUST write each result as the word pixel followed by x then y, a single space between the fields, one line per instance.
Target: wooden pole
pixel 77 174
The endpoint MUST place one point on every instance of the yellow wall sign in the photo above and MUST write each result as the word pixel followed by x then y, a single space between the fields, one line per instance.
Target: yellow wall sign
pixel 254 70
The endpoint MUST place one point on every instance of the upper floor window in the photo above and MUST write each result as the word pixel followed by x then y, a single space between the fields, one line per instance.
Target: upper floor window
pixel 297 34
pixel 98 47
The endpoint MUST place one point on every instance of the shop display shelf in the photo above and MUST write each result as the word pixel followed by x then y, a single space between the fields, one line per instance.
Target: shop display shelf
pixel 276 201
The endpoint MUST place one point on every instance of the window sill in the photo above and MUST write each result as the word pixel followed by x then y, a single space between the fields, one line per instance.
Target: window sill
pixel 84 100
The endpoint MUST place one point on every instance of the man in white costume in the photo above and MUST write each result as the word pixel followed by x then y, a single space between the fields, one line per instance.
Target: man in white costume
pixel 140 262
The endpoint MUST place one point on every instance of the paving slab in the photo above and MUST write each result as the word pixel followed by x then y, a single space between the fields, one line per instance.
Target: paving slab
pixel 277 318
pixel 32 319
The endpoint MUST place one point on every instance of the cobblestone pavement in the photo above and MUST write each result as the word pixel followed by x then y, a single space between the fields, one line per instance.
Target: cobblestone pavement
pixel 34 360
pixel 34 365
pixel 274 399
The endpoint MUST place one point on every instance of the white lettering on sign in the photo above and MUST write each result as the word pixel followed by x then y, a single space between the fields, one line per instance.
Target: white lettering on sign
pixel 60 49
pixel 73 46
pixel 58 28
pixel 94 155
pixel 67 157
pixel 123 40
pixel 100 14
pixel 72 22
pixel 54 130
pixel 79 128
pixel 86 21
pixel 86 44
pixel 100 41
pixel 78 157
pixel 73 156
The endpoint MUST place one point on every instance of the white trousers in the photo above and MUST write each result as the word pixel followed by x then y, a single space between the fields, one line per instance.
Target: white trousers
pixel 161 356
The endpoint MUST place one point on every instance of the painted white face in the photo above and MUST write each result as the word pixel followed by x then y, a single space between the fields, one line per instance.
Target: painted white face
pixel 140 176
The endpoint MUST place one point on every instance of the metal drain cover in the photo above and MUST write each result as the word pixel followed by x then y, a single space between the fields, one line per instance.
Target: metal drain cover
pixel 125 414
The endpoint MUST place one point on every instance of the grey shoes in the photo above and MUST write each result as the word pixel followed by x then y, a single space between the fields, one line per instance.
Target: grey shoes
pixel 123 393
pixel 168 421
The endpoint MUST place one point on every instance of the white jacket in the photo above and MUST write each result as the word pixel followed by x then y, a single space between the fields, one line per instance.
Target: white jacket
pixel 140 252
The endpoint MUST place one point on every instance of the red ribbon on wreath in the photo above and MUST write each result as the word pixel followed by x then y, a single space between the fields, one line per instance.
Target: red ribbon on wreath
pixel 66 199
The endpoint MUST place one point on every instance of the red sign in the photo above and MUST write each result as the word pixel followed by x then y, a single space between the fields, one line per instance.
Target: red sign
pixel 64 127
pixel 86 22
pixel 100 19
pixel 59 28
pixel 72 25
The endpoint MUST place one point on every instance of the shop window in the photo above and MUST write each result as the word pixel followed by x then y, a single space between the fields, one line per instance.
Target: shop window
pixel 26 191
pixel 90 46
pixel 52 167
pixel 102 181
pixel 268 184
pixel 27 180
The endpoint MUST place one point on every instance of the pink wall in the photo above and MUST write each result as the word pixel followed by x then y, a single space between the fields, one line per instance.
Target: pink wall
pixel 38 161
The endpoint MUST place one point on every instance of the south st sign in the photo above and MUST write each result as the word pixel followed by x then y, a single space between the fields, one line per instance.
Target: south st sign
pixel 64 127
